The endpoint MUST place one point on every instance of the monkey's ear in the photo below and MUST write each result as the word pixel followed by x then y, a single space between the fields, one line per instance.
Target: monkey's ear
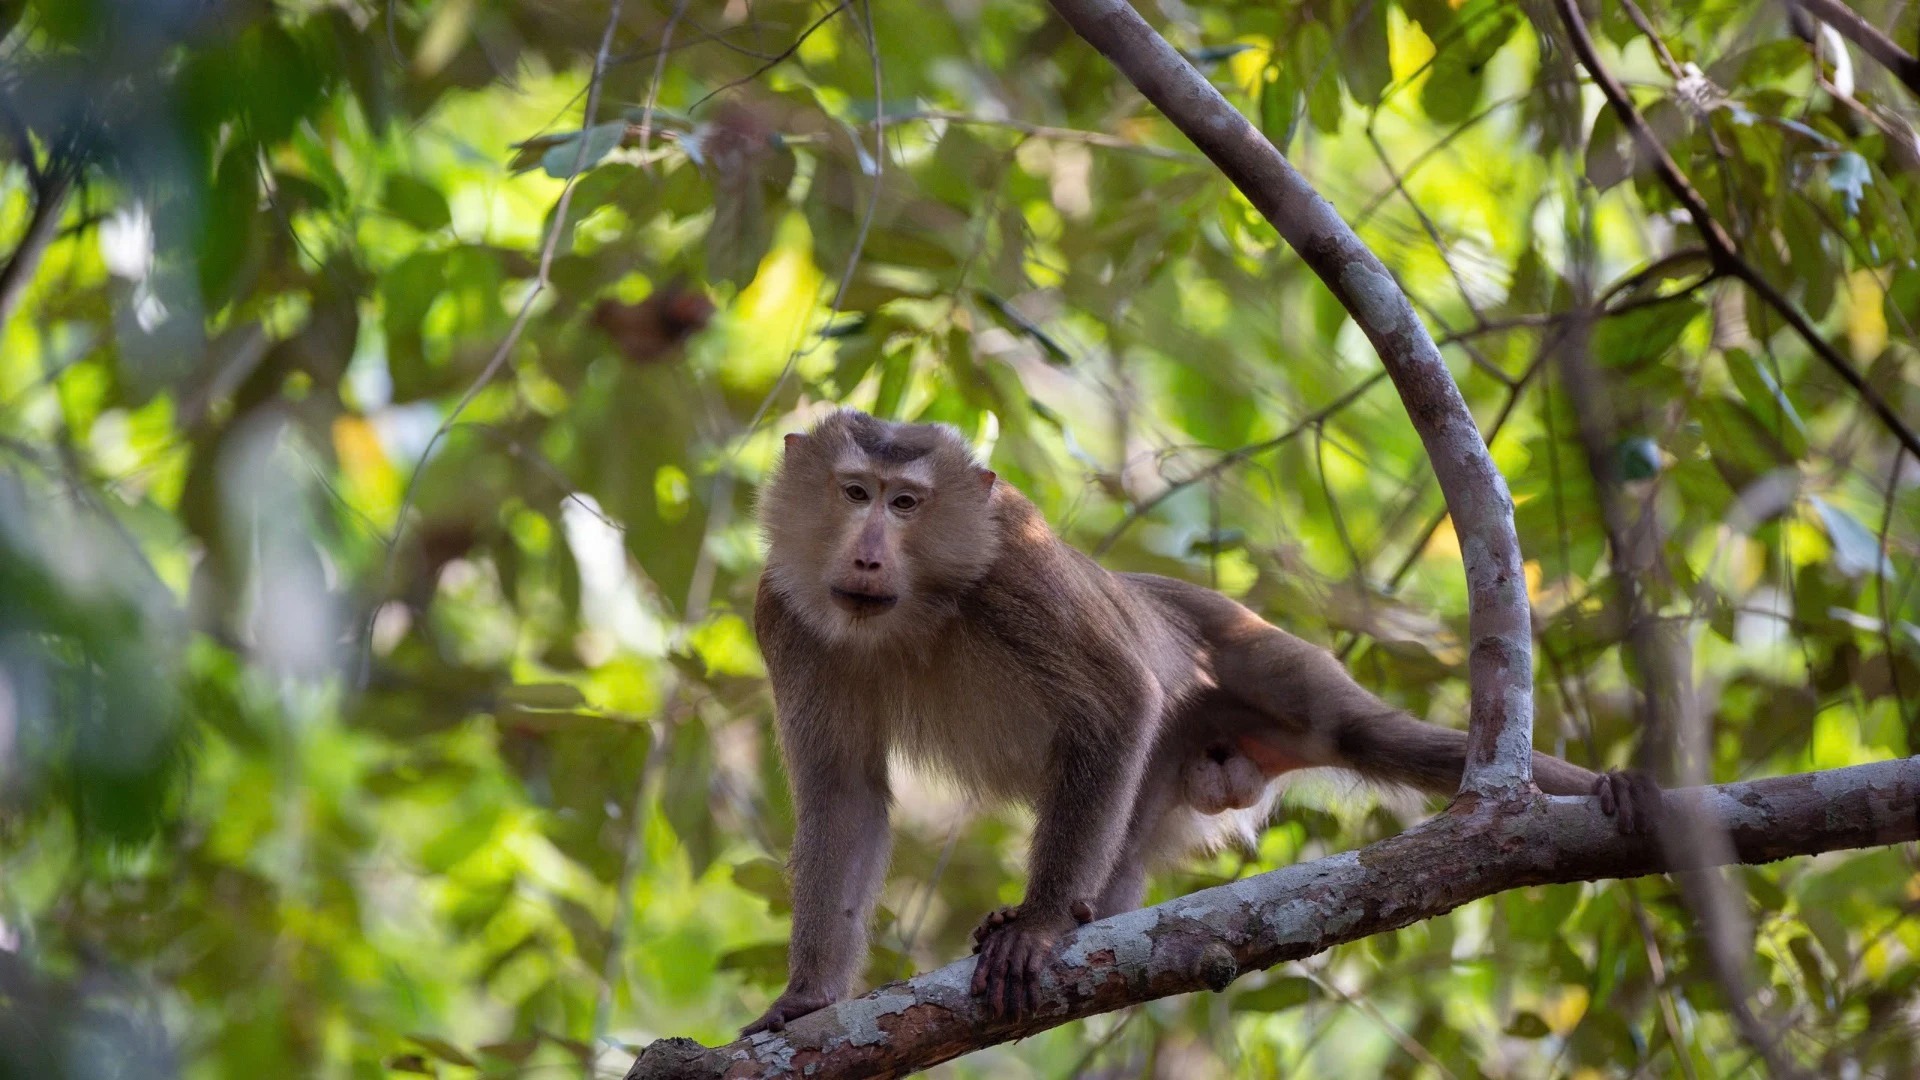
pixel 987 477
pixel 794 439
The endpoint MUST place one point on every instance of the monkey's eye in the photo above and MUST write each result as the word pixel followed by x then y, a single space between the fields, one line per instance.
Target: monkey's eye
pixel 904 502
pixel 855 493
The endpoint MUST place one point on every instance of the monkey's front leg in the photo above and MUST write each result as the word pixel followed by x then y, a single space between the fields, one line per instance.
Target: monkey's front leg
pixel 840 848
pixel 1094 768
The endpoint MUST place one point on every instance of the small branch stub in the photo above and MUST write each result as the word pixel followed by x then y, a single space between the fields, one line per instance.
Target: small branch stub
pixel 1217 968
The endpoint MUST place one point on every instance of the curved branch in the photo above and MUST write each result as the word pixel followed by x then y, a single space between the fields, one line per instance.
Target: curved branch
pixel 1204 940
pixel 1500 664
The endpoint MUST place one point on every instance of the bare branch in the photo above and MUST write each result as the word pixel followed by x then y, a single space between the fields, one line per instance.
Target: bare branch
pixel 1206 939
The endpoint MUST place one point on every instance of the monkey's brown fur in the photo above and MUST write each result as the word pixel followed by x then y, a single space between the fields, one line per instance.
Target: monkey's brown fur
pixel 913 603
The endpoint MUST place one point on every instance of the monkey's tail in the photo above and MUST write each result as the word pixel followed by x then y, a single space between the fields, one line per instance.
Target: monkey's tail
pixel 1389 745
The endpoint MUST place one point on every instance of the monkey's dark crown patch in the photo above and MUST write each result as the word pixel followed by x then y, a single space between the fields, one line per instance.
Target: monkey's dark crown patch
pixel 894 445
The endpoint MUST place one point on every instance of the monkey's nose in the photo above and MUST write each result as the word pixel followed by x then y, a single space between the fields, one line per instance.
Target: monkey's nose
pixel 865 564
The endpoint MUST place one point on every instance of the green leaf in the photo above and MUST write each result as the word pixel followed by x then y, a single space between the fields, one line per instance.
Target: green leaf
pixel 1312 47
pixel 1856 549
pixel 564 156
pixel 1637 458
pixel 1454 84
pixel 766 879
pixel 1770 404
pixel 1642 336
pixel 1849 175
pixel 687 790
pixel 556 696
pixel 1365 62
pixel 765 962
pixel 417 203
pixel 442 1049
pixel 1278 995
pixel 1609 157
pixel 1279 105
pixel 1213 54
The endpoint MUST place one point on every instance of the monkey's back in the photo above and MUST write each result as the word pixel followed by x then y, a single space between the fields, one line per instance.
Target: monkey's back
pixel 1046 637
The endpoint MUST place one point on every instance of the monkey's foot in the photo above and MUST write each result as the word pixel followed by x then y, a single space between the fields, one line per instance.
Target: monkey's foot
pixel 791 1005
pixel 1082 914
pixel 1011 956
pixel 1632 799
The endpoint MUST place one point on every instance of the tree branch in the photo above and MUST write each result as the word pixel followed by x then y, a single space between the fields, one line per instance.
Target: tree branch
pixel 1848 24
pixel 50 199
pixel 1500 665
pixel 1204 940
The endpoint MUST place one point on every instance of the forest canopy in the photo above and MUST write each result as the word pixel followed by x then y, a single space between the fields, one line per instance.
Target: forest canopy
pixel 385 387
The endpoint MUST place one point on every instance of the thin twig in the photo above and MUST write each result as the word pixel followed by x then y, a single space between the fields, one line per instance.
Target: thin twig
pixel 1233 457
pixel 1098 139
pixel 659 68
pixel 775 60
pixel 1653 37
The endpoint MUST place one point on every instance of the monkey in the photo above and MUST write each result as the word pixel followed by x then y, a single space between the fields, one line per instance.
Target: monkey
pixel 914 604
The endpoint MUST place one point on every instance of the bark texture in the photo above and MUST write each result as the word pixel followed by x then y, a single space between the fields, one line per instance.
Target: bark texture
pixel 1204 940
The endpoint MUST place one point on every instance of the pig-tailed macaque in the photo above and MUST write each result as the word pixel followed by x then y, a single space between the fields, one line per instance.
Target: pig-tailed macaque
pixel 914 604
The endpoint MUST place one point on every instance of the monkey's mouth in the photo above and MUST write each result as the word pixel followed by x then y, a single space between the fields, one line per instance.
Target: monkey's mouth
pixel 861 605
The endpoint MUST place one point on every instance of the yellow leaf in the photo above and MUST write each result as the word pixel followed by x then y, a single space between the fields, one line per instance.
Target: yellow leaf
pixel 1566 1009
pixel 1866 316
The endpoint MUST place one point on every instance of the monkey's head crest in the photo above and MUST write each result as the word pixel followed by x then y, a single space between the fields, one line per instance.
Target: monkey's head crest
pixel 872 527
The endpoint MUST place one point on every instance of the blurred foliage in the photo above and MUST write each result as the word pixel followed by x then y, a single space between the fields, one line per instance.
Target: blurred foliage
pixel 324 755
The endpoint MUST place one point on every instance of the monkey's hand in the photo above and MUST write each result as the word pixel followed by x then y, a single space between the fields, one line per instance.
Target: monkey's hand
pixel 1013 947
pixel 1081 910
pixel 791 1005
pixel 1631 798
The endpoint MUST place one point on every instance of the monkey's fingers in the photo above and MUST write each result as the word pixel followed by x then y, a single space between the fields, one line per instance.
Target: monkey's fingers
pixel 784 1008
pixel 993 921
pixel 1037 955
pixel 1631 798
pixel 984 970
pixel 991 975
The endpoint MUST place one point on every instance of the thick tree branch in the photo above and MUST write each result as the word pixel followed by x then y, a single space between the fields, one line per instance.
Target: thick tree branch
pixel 1500 665
pixel 1848 24
pixel 1204 940
pixel 1720 246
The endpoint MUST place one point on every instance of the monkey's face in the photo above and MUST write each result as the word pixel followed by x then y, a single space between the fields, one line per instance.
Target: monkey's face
pixel 867 574
pixel 870 523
